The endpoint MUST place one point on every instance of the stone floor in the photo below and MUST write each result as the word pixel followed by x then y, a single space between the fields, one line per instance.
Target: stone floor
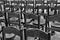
pixel 56 36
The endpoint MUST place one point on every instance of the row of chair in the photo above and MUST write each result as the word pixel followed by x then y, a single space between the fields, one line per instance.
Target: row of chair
pixel 33 32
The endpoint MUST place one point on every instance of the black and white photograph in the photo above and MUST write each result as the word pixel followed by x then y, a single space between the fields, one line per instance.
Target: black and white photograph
pixel 29 20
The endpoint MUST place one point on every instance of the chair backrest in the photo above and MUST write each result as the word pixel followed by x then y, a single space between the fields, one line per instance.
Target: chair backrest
pixel 1 14
pixel 29 7
pixel 39 1
pixel 16 20
pixel 30 2
pixel 52 1
pixel 42 7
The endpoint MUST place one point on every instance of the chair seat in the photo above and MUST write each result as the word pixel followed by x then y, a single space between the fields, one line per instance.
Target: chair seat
pixel 56 24
pixel 10 30
pixel 55 28
pixel 37 33
pixel 9 35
